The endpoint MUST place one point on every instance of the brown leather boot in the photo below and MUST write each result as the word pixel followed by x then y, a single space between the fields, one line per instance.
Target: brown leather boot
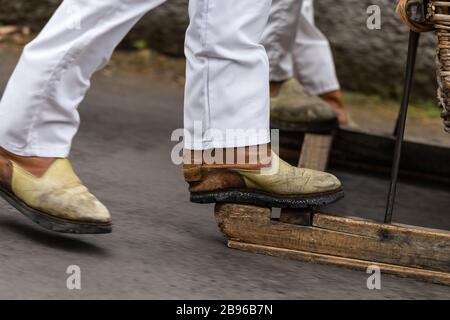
pixel 268 181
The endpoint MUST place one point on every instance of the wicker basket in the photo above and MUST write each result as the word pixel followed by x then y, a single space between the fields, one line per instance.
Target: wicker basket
pixel 439 14
pixel 430 15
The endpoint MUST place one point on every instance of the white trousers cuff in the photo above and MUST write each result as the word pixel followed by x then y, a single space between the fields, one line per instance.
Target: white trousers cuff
pixel 55 151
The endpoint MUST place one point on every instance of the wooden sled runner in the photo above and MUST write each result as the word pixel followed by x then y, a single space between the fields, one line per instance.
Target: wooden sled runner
pixel 355 243
pixel 349 242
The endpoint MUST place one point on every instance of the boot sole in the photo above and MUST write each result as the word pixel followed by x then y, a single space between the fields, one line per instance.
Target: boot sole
pixel 53 223
pixel 263 199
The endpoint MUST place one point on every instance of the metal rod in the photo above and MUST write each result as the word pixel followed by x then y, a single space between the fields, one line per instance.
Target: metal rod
pixel 401 123
pixel 397 123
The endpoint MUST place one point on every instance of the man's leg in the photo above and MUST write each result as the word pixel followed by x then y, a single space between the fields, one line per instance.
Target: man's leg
pixel 278 39
pixel 313 61
pixel 227 73
pixel 227 97
pixel 38 110
pixel 291 105
pixel 39 118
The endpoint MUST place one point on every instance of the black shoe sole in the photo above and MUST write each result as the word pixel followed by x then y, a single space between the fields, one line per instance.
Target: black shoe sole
pixel 52 223
pixel 263 199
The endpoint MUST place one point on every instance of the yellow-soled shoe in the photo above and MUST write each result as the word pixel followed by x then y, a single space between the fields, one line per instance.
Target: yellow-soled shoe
pixel 57 201
pixel 280 186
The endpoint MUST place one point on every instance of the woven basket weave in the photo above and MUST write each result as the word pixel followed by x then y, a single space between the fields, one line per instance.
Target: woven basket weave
pixel 439 14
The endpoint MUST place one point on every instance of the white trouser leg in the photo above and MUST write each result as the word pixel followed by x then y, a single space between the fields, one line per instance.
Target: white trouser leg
pixel 312 56
pixel 227 83
pixel 279 37
pixel 38 111
pixel 296 48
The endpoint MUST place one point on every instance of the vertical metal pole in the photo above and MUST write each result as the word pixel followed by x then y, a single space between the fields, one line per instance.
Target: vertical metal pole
pixel 401 122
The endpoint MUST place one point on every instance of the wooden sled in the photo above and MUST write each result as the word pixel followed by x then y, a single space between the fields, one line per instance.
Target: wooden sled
pixel 401 250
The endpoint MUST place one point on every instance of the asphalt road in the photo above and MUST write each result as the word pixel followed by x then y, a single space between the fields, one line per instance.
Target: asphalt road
pixel 164 247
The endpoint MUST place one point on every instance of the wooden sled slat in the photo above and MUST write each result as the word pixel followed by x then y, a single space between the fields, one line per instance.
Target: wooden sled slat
pixel 369 228
pixel 315 151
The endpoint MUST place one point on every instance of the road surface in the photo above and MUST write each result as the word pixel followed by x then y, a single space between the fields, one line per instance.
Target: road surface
pixel 164 247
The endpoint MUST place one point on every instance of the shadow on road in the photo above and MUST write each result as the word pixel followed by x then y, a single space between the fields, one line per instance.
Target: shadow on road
pixel 53 240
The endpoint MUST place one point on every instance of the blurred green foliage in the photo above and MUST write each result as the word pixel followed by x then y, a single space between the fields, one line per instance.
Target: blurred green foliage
pixel 140 44
pixel 418 108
